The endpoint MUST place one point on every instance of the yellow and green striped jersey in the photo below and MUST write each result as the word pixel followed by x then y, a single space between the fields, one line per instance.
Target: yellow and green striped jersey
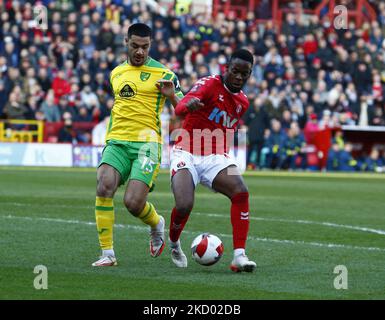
pixel 138 103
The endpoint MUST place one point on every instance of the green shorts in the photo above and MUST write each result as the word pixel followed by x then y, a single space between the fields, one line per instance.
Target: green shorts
pixel 133 160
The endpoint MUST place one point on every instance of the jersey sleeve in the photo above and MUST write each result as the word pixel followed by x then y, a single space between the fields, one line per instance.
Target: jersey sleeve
pixel 200 90
pixel 111 87
pixel 178 90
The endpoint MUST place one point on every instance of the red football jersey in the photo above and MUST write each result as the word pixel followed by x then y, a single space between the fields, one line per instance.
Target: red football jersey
pixel 210 129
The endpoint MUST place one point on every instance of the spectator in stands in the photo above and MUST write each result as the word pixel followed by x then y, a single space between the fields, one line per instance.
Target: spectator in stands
pixel 293 155
pixel 311 128
pixel 67 133
pixel 373 163
pixel 60 86
pixel 257 121
pixel 14 108
pixel 378 118
pixel 3 97
pixel 346 160
pixel 83 115
pixel 339 139
pixel 362 78
pixel 333 159
pixel 89 99
pixel 11 52
pixel 50 109
pixel 275 144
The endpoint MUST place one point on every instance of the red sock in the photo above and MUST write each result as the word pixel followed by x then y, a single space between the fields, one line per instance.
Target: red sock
pixel 177 224
pixel 240 219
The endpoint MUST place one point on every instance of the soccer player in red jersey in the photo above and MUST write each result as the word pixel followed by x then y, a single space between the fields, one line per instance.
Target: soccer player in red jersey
pixel 212 110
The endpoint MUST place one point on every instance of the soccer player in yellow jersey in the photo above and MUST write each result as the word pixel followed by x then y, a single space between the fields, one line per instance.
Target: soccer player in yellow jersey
pixel 133 143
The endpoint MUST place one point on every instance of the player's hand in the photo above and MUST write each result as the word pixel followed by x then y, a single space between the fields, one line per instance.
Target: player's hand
pixel 166 87
pixel 194 104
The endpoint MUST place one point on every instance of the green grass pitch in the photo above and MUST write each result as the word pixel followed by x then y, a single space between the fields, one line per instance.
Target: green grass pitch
pixel 302 226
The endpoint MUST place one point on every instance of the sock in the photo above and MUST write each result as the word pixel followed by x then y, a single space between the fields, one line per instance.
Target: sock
pixel 240 219
pixel 177 224
pixel 239 252
pixel 104 214
pixel 149 215
pixel 108 252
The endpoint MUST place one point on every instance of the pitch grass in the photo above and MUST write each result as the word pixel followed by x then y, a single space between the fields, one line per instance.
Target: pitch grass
pixel 47 218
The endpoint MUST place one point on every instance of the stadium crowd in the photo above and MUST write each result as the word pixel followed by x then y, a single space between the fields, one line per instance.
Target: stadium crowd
pixel 308 77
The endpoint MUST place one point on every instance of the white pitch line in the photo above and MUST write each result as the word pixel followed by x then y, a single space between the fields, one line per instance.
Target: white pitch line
pixel 215 215
pixel 142 228
pixel 327 224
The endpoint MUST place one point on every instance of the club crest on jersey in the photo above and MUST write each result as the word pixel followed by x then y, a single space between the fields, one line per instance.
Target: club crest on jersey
pixel 128 90
pixel 221 98
pixel 217 114
pixel 144 76
pixel 181 164
pixel 238 109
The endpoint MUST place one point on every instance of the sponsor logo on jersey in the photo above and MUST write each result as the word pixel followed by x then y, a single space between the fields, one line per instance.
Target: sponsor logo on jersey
pixel 128 90
pixel 217 114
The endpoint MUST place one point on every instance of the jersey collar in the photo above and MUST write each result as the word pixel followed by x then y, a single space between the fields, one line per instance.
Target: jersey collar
pixel 144 64
pixel 224 84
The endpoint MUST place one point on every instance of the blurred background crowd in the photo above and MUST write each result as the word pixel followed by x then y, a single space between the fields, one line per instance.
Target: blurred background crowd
pixel 307 77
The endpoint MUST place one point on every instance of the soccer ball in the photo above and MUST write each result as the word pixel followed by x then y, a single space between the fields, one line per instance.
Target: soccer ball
pixel 207 249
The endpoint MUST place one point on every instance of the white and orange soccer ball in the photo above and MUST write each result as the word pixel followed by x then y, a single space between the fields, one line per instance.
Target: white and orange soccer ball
pixel 207 249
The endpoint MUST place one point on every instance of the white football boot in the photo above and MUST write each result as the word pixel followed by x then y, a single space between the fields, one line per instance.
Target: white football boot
pixel 242 263
pixel 177 254
pixel 157 238
pixel 105 261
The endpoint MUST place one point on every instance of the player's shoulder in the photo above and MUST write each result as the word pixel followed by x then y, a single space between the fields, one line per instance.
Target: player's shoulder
pixel 243 96
pixel 119 68
pixel 154 64
pixel 215 79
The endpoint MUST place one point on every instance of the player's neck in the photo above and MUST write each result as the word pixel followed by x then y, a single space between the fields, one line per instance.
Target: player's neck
pixel 227 88
pixel 145 62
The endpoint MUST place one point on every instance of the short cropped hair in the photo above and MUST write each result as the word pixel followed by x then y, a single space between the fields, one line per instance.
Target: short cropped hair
pixel 139 29
pixel 244 55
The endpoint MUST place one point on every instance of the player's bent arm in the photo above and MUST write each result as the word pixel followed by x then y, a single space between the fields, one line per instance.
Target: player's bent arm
pixel 188 104
pixel 181 109
pixel 175 99
pixel 194 98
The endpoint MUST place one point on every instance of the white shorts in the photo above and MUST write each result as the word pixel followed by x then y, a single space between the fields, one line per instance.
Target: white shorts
pixel 203 169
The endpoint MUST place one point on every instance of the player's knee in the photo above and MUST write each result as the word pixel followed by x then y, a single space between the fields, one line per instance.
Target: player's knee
pixel 105 187
pixel 240 188
pixel 134 206
pixel 184 208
